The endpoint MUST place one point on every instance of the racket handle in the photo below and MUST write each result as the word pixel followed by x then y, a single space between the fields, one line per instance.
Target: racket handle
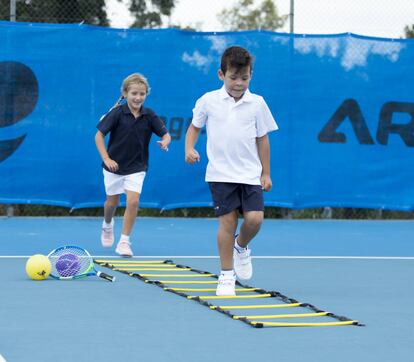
pixel 108 277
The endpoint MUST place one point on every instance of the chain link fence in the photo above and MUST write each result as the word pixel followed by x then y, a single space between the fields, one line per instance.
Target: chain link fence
pixel 379 18
pixel 55 11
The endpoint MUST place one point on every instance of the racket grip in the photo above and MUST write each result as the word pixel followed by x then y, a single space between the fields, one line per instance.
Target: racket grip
pixel 105 276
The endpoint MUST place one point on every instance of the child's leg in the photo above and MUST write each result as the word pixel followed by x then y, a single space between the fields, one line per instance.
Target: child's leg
pixel 250 227
pixel 123 248
pixel 132 185
pixel 225 239
pixel 107 233
pixel 131 210
pixel 111 204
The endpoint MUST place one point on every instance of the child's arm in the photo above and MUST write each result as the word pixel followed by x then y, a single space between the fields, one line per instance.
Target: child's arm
pixel 263 148
pixel 165 141
pixel 100 145
pixel 191 154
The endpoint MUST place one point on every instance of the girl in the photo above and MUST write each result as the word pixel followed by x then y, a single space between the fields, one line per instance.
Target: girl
pixel 125 161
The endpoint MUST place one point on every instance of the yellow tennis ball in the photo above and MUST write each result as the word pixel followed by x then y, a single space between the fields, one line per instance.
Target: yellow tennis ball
pixel 38 267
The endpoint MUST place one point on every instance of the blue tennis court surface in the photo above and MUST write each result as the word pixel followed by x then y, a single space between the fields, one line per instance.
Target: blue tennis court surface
pixel 358 269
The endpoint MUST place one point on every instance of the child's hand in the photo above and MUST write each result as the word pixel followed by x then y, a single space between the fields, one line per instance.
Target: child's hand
pixel 111 164
pixel 266 182
pixel 164 145
pixel 192 156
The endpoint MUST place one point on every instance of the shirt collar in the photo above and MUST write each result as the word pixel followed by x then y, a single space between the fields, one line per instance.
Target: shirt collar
pixel 126 110
pixel 247 96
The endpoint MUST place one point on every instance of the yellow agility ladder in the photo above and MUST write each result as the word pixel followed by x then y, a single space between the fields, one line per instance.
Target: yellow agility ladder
pixel 181 279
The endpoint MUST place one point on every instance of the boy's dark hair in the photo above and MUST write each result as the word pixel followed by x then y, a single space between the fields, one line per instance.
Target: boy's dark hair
pixel 236 57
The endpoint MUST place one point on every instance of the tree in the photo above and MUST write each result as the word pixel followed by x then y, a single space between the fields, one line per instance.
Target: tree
pixel 246 15
pixel 57 11
pixel 409 31
pixel 148 12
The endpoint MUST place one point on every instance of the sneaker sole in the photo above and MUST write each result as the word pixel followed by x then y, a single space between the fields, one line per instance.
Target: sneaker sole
pixel 124 255
pixel 239 277
pixel 226 295
pixel 242 277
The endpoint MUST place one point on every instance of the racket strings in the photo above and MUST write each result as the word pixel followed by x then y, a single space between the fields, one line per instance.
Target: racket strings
pixel 68 262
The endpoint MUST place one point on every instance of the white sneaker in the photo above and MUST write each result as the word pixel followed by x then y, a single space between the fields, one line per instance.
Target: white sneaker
pixel 124 249
pixel 242 263
pixel 226 285
pixel 107 235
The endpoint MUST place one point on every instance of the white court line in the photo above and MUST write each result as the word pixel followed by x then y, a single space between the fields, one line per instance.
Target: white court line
pixel 216 257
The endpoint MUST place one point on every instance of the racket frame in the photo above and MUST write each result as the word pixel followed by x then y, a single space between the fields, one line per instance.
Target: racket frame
pixel 91 271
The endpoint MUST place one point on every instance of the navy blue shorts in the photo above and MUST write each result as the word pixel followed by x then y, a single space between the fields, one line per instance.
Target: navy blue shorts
pixel 231 196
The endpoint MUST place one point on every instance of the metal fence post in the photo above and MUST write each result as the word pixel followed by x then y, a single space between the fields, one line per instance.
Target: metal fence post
pixel 10 210
pixel 12 10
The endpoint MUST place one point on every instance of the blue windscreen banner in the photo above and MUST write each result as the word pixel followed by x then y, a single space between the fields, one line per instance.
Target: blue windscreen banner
pixel 344 104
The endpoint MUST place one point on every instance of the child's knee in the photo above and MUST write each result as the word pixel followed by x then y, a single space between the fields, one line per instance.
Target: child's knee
pixel 112 201
pixel 229 221
pixel 254 219
pixel 133 202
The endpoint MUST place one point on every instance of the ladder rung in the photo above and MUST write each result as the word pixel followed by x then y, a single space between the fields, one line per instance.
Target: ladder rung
pixel 187 282
pixel 324 324
pixel 208 289
pixel 230 296
pixel 178 275
pixel 132 261
pixel 230 307
pixel 163 266
pixel 151 269
pixel 277 316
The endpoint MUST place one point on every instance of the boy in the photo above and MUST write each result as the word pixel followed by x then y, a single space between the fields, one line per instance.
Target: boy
pixel 238 167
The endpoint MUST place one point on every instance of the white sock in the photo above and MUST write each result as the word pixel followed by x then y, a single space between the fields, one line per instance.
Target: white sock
pixel 106 225
pixel 238 247
pixel 124 238
pixel 227 273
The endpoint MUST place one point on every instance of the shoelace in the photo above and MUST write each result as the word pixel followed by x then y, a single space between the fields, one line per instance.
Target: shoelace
pixel 226 281
pixel 124 242
pixel 243 255
pixel 107 234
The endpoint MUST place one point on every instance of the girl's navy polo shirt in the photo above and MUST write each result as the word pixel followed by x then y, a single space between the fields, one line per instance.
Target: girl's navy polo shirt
pixel 130 137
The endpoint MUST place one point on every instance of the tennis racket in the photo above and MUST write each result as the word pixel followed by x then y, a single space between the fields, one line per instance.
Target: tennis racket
pixel 74 262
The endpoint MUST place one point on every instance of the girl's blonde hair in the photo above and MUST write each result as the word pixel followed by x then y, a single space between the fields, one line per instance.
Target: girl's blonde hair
pixel 134 78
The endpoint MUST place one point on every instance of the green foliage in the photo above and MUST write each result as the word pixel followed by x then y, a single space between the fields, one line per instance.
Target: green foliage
pixel 246 15
pixel 148 12
pixel 409 31
pixel 207 212
pixel 57 11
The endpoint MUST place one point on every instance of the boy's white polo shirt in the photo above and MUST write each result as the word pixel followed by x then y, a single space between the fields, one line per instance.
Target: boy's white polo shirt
pixel 232 129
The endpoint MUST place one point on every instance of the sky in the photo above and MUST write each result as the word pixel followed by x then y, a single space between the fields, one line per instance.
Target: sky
pixel 382 18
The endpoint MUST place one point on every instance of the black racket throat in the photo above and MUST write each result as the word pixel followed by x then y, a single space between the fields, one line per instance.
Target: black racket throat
pixel 105 276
